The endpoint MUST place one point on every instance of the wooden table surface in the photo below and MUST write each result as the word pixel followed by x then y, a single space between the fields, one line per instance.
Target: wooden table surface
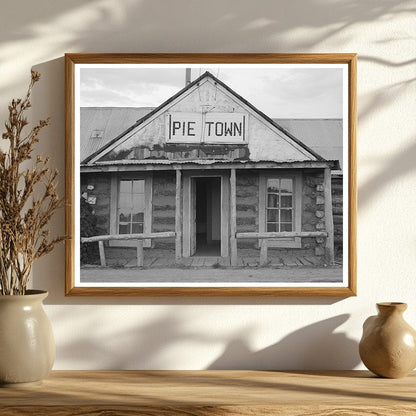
pixel 254 393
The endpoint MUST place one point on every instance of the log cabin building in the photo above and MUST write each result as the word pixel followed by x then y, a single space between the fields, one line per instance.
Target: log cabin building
pixel 207 173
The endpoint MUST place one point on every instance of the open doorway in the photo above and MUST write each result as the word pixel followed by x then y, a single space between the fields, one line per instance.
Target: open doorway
pixel 208 216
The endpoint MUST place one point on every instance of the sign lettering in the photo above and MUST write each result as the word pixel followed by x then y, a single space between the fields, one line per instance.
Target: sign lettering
pixel 206 128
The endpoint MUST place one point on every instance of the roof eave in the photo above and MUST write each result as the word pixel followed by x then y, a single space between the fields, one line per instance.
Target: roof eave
pixel 144 118
pixel 121 165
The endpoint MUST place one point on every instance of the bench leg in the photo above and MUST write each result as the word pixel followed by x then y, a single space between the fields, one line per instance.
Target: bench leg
pixel 140 253
pixel 263 252
pixel 102 253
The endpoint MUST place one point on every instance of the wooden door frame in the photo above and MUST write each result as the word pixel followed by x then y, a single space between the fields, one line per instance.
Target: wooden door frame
pixel 188 176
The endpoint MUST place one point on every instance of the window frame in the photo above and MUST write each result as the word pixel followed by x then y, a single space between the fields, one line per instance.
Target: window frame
pixel 130 211
pixel 294 242
pixel 114 205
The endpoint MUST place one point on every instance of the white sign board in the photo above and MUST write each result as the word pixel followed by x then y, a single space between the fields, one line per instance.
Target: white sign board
pixel 206 127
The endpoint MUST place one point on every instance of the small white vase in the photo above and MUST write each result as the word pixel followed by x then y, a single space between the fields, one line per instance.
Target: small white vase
pixel 27 346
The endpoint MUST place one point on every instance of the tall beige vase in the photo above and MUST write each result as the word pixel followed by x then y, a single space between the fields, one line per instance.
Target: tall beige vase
pixel 27 347
pixel 388 345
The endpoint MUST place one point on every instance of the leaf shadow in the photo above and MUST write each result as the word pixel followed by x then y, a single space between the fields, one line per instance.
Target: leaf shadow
pixel 316 346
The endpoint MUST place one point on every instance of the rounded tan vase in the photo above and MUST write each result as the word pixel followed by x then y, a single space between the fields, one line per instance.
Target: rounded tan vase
pixel 388 345
pixel 27 347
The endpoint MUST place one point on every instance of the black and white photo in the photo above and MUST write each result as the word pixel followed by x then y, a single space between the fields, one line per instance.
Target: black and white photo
pixel 211 175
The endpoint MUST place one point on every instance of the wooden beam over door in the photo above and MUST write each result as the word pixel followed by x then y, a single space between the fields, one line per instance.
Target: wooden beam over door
pixel 178 215
pixel 233 218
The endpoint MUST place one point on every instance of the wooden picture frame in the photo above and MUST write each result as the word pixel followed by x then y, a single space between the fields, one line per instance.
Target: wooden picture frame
pixel 150 179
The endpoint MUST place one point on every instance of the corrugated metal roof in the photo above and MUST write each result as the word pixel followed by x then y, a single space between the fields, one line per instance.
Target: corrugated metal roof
pixel 207 74
pixel 324 136
pixel 107 121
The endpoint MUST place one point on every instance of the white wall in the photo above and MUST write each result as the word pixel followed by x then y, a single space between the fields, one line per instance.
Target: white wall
pixel 198 333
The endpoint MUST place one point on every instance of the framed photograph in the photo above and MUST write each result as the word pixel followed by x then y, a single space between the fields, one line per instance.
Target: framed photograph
pixel 211 174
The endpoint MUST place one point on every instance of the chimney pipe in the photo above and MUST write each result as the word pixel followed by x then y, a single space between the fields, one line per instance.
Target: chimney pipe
pixel 187 76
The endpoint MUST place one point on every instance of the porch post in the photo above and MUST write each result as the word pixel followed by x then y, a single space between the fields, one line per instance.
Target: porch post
pixel 178 215
pixel 329 221
pixel 233 219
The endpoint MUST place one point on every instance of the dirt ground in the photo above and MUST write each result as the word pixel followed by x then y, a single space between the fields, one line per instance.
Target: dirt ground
pixel 212 275
pixel 160 266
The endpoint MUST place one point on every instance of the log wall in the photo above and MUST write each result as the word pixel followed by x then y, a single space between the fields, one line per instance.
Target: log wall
pixel 101 192
pixel 163 215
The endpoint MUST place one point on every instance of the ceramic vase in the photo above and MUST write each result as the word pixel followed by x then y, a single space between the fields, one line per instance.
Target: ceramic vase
pixel 27 347
pixel 388 345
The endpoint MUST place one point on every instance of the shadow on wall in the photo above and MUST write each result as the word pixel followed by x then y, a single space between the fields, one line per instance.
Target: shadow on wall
pixel 130 18
pixel 383 97
pixel 142 347
pixel 390 170
pixel 314 347
pixel 153 344
pixel 77 26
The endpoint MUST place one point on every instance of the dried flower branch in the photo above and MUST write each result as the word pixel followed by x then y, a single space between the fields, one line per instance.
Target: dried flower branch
pixel 23 217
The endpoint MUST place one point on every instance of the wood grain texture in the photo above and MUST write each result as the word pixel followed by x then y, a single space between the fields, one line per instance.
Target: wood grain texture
pixel 210 411
pixel 139 236
pixel 204 393
pixel 261 58
pixel 266 235
pixel 69 173
pixel 306 291
pixel 326 58
pixel 352 170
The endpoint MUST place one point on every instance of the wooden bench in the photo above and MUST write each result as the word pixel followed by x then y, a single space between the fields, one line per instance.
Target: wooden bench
pixel 139 237
pixel 266 236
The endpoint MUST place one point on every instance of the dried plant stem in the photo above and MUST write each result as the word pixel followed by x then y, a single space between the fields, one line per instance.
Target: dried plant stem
pixel 23 217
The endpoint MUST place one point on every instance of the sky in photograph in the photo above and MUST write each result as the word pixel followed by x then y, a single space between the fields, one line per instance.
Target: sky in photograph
pixel 279 92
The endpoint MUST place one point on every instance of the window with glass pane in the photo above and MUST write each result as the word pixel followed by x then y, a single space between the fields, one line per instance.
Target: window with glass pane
pixel 279 207
pixel 131 206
